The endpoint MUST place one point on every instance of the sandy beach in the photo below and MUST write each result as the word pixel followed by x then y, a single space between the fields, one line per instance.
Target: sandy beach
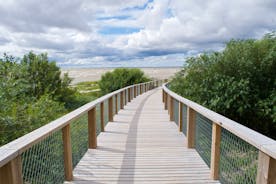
pixel 94 74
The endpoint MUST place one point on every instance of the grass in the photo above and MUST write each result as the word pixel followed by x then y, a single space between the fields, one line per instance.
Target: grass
pixel 87 86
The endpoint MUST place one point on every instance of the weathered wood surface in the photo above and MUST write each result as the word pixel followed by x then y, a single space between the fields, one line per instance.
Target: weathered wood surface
pixel 256 139
pixel 141 145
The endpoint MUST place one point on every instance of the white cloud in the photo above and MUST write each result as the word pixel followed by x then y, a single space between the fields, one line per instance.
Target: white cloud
pixel 169 29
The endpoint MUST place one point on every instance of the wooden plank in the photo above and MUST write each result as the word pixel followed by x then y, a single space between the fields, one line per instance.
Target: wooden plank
pixel 67 153
pixel 266 169
pixel 92 129
pixel 110 109
pixel 215 151
pixel 11 173
pixel 133 150
pixel 20 145
pixel 180 116
pixel 190 128
pixel 102 116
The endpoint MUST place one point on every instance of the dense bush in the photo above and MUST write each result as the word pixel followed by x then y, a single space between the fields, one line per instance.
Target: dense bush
pixel 32 93
pixel 238 82
pixel 119 78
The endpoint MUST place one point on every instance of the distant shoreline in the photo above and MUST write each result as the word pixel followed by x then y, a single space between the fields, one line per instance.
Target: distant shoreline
pixel 94 74
pixel 69 68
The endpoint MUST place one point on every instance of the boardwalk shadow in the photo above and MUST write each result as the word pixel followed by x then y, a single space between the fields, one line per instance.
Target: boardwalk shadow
pixel 128 163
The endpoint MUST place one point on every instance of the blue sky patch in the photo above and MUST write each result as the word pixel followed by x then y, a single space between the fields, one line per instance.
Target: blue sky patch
pixel 118 30
pixel 138 7
pixel 120 17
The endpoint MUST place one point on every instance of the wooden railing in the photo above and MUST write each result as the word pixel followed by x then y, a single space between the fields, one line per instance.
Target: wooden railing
pixel 266 164
pixel 10 154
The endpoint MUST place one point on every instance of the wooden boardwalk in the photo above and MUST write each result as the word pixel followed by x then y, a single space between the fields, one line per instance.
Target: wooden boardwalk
pixel 142 146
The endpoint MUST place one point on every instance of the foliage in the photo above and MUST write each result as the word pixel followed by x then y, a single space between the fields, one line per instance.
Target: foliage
pixel 238 82
pixel 87 86
pixel 121 77
pixel 43 77
pixel 33 93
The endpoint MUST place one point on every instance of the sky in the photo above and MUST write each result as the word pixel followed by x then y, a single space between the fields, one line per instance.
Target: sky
pixel 129 33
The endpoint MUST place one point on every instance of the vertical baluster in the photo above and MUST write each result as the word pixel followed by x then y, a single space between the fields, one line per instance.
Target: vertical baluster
pixel 67 153
pixel 180 116
pixel 190 128
pixel 134 91
pixel 102 116
pixel 163 95
pixel 129 95
pixel 110 109
pixel 215 151
pixel 126 97
pixel 92 129
pixel 116 104
pixel 122 100
pixel 171 108
pixel 11 173
pixel 266 173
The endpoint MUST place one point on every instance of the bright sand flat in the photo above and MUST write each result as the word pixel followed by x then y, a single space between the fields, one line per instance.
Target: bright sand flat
pixel 94 74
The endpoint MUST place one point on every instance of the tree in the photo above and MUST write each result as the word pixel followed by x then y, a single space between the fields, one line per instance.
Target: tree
pixel 44 77
pixel 32 93
pixel 119 78
pixel 238 82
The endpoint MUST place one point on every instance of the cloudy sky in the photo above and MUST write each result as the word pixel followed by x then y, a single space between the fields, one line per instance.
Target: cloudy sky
pixel 130 33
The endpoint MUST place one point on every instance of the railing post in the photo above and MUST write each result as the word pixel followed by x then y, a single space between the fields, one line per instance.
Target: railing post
pixel 134 91
pixel 171 108
pixel 166 101
pixel 180 116
pixel 102 116
pixel 67 153
pixel 126 97
pixel 144 88
pixel 122 100
pixel 131 93
pixel 266 169
pixel 116 104
pixel 110 109
pixel 11 173
pixel 141 89
pixel 92 131
pixel 129 97
pixel 190 128
pixel 163 95
pixel 215 151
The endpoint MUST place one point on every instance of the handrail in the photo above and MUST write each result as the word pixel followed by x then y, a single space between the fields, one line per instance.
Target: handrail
pixel 261 142
pixel 266 146
pixel 15 148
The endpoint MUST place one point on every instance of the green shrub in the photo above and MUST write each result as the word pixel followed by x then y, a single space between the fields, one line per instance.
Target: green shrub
pixel 238 82
pixel 119 78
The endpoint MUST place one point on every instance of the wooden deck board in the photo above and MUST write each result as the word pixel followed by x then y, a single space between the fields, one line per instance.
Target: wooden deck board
pixel 142 146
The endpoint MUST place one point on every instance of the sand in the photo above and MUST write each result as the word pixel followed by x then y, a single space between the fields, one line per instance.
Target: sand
pixel 94 74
